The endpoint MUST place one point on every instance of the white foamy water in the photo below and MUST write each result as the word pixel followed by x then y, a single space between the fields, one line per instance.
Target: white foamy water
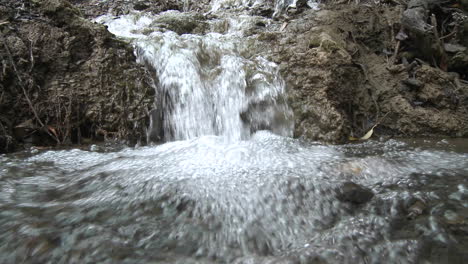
pixel 207 84
pixel 268 199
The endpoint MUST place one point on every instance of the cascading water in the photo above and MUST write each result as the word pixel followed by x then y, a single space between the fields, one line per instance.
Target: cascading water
pixel 227 190
pixel 207 85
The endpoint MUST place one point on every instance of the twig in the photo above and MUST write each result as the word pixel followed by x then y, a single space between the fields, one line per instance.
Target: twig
pixel 381 119
pixel 443 55
pixel 395 54
pixel 450 34
pixel 31 55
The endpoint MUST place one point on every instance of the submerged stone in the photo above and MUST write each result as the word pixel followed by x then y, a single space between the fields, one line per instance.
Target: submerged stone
pixel 354 193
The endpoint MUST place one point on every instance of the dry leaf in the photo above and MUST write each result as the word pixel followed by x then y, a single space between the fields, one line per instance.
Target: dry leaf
pixel 285 24
pixel 368 134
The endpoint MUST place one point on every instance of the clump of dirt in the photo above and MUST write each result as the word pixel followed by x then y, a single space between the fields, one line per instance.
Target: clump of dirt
pixel 348 68
pixel 65 79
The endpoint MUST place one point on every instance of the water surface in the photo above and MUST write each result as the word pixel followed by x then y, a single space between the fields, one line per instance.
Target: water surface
pixel 207 200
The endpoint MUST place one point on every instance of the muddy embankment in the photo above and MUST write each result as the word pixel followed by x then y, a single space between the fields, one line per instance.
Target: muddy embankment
pixel 349 66
pixel 65 79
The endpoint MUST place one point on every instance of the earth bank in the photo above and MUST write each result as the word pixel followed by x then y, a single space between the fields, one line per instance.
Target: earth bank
pixel 66 79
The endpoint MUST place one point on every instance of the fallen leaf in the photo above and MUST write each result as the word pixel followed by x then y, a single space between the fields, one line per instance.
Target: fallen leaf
pixel 368 134
pixel 285 24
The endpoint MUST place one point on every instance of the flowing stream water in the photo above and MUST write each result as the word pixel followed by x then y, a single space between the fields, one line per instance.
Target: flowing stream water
pixel 231 185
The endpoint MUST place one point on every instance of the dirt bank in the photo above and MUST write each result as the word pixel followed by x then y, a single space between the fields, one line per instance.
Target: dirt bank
pixel 65 79
pixel 348 66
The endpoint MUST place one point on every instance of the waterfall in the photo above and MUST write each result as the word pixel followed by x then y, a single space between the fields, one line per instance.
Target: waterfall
pixel 205 88
pixel 210 84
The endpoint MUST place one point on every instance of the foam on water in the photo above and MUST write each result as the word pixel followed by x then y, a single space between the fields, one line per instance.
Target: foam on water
pixel 206 198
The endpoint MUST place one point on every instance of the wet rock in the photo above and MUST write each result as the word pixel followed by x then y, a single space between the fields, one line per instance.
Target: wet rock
pixel 413 83
pixel 181 23
pixel 452 218
pixel 264 11
pixel 353 193
pixel 416 209
pixel 461 194
pixel 141 5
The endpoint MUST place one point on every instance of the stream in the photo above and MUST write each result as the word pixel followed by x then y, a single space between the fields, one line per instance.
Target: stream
pixel 225 181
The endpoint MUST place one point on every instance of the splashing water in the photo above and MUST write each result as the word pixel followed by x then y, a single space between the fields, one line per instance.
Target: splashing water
pixel 204 84
pixel 206 200
pixel 279 5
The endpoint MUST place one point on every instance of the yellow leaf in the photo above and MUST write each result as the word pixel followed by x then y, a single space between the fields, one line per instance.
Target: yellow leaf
pixel 368 134
pixel 285 24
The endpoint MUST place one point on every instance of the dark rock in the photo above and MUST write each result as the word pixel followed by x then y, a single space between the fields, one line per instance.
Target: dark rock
pixel 413 83
pixel 181 23
pixel 140 6
pixel 416 209
pixel 260 24
pixel 353 193
pixel 265 9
